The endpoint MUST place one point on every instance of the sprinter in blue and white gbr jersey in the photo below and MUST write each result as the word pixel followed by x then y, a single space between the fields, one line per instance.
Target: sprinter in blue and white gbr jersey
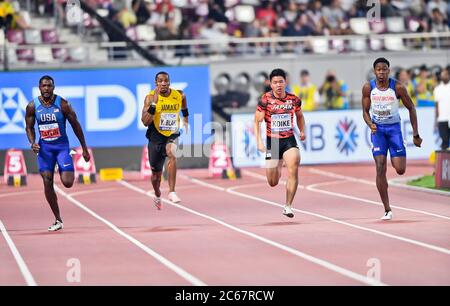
pixel 380 104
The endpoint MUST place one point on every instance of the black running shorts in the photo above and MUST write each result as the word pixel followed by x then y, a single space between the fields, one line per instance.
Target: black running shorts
pixel 277 146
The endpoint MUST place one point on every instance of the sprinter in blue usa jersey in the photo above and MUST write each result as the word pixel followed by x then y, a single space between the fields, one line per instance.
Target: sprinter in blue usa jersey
pixel 380 103
pixel 50 111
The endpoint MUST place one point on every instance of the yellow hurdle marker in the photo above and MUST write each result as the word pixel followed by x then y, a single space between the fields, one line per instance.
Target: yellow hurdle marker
pixel 16 180
pixel 432 158
pixel 111 174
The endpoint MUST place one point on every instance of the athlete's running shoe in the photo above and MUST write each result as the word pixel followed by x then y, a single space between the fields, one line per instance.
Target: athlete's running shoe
pixel 387 215
pixel 56 226
pixel 157 202
pixel 173 197
pixel 287 211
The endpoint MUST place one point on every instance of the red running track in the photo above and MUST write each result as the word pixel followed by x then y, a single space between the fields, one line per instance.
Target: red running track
pixel 228 232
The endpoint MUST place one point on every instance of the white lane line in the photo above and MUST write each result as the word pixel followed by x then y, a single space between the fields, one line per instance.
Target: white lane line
pixel 11 194
pixel 20 262
pixel 407 240
pixel 313 187
pixel 397 182
pixel 182 273
pixel 74 194
pixel 350 274
pixel 342 177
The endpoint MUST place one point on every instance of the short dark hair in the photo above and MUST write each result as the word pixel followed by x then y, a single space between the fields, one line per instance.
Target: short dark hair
pixel 46 77
pixel 381 60
pixel 304 72
pixel 277 72
pixel 161 72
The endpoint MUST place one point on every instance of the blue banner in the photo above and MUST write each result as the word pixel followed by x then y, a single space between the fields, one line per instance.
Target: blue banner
pixel 108 103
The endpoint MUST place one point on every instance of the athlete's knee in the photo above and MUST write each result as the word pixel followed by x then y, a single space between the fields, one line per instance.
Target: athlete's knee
pixel 156 176
pixel 67 183
pixel 48 180
pixel 272 182
pixel 381 168
pixel 172 159
pixel 401 171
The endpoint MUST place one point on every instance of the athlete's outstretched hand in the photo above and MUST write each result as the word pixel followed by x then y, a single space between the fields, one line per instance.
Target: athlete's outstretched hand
pixel 155 95
pixel 86 155
pixel 302 136
pixel 261 147
pixel 184 127
pixel 35 147
pixel 417 141
pixel 373 128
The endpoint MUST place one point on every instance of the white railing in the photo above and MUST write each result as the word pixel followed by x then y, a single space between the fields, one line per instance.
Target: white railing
pixel 204 50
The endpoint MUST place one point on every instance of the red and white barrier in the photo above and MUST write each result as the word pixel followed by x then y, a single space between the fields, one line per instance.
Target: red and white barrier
pixel 146 171
pixel 15 171
pixel 219 160
pixel 84 171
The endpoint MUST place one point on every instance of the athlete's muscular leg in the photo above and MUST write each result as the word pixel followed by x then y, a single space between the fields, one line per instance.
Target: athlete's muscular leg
pixel 273 171
pixel 292 159
pixel 50 194
pixel 67 178
pixel 171 165
pixel 156 182
pixel 399 164
pixel 382 184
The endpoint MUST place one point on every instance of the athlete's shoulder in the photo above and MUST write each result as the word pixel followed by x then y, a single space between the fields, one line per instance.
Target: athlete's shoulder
pixel 176 92
pixel 291 96
pixel 265 97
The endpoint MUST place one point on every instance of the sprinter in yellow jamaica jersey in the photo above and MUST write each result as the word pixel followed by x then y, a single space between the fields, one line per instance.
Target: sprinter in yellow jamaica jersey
pixel 161 114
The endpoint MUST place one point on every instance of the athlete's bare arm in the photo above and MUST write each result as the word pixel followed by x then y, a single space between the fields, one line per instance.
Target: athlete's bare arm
pixel 150 99
pixel 301 124
pixel 184 107
pixel 259 117
pixel 30 120
pixel 366 107
pixel 71 116
pixel 408 103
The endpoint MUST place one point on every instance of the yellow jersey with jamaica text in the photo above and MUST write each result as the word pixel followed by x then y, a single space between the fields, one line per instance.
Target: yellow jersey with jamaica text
pixel 167 115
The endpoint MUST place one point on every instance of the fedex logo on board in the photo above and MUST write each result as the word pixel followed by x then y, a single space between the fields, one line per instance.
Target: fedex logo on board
pixel 13 102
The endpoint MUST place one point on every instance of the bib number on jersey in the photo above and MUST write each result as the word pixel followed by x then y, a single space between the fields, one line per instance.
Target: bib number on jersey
pixel 281 123
pixel 49 131
pixel 382 110
pixel 168 122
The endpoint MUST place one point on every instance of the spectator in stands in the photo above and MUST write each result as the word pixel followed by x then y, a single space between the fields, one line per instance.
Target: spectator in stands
pixel 315 16
pixel 115 52
pixel 387 9
pixel 437 22
pixel 290 13
pixel 167 32
pixel 127 17
pixel 404 77
pixel 442 6
pixel 424 86
pixel 253 29
pixel 299 28
pixel 333 16
pixel 334 92
pixel 356 11
pixel 9 18
pixel 307 92
pixel 163 11
pixel 268 14
pixel 216 11
pixel 442 96
pixel 142 10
